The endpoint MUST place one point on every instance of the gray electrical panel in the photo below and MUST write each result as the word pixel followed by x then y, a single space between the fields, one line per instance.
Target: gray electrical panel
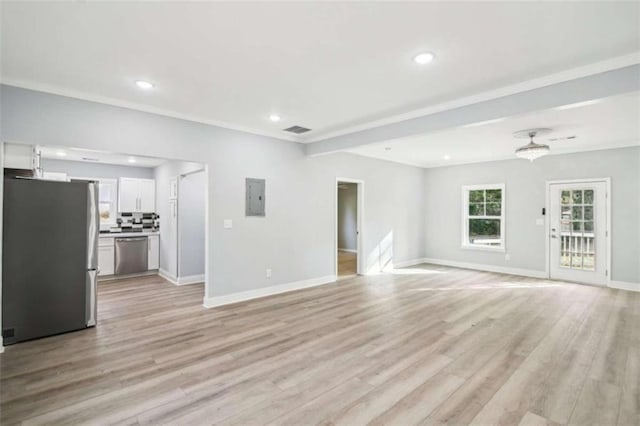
pixel 255 197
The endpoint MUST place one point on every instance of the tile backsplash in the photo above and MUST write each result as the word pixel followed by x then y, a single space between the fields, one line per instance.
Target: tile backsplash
pixel 136 222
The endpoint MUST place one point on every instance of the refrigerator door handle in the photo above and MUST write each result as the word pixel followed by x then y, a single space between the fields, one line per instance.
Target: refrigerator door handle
pixel 92 297
pixel 93 225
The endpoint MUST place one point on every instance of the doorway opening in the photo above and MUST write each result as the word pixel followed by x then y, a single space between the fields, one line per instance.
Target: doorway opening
pixel 348 240
pixel 102 222
pixel 578 243
pixel 192 190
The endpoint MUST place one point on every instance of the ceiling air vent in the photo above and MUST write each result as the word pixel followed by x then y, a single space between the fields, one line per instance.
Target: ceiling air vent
pixel 298 130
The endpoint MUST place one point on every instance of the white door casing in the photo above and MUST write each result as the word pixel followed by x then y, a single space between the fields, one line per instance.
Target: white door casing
pixel 360 261
pixel 578 246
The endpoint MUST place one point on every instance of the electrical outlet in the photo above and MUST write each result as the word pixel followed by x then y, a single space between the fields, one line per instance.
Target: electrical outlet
pixel 228 224
pixel 269 273
pixel 507 256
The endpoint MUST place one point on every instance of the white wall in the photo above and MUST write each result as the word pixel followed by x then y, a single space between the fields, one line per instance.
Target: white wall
pixel 191 224
pixel 95 170
pixel 525 198
pixel 295 239
pixel 348 216
pixel 169 214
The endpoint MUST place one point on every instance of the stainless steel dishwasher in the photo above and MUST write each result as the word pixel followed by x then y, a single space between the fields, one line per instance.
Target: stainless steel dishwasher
pixel 131 255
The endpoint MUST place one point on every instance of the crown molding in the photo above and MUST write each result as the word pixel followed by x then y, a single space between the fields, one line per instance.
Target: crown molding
pixel 70 93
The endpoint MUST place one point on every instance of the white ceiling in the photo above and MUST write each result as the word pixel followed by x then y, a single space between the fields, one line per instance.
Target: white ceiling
pixel 100 157
pixel 610 123
pixel 327 66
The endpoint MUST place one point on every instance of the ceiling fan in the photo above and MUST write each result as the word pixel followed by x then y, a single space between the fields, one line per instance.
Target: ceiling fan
pixel 532 150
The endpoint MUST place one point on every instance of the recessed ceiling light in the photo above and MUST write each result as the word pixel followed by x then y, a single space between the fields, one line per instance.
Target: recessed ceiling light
pixel 131 160
pixel 61 154
pixel 577 105
pixel 387 148
pixel 482 123
pixel 145 85
pixel 274 117
pixel 424 58
pixel 447 157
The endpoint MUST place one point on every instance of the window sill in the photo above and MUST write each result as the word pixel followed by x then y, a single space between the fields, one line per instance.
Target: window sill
pixel 497 249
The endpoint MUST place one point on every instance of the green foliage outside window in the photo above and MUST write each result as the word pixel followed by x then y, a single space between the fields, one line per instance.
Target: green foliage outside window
pixel 483 205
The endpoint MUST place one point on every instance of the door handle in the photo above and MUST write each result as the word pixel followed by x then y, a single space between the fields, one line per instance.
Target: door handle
pixel 553 236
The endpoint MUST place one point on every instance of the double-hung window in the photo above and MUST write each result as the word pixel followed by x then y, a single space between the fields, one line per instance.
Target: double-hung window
pixel 107 200
pixel 108 197
pixel 483 217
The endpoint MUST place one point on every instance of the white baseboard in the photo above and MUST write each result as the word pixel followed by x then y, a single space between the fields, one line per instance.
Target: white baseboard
pixel 107 278
pixel 393 265
pixel 191 279
pixel 1 349
pixel 624 285
pixel 348 250
pixel 168 276
pixel 488 268
pixel 242 296
pixel 406 263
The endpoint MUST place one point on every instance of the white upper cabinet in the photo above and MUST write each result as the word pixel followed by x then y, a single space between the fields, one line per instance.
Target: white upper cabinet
pixel 18 156
pixel 128 194
pixel 147 195
pixel 137 195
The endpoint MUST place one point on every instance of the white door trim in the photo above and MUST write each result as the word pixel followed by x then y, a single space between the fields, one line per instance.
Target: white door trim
pixel 607 181
pixel 359 226
pixel 179 182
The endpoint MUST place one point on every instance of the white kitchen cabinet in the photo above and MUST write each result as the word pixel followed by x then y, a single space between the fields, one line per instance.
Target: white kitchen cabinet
pixel 137 195
pixel 128 195
pixel 17 156
pixel 106 256
pixel 147 195
pixel 154 251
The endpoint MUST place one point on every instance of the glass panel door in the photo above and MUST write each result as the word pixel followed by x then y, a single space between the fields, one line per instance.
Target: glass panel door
pixel 578 232
pixel 577 235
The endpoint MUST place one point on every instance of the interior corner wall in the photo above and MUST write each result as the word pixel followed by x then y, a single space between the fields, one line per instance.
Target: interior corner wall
pixel 348 217
pixel 296 238
pixel 525 197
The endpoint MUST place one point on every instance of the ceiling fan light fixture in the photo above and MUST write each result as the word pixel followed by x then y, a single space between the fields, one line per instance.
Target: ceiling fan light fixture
pixel 532 150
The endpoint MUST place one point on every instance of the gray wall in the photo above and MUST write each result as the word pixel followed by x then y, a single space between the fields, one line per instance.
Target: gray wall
pixel 168 217
pixel 525 197
pixel 97 170
pixel 191 224
pixel 348 216
pixel 295 239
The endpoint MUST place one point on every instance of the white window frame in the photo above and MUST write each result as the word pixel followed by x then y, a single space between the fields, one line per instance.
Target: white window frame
pixel 465 218
pixel 114 201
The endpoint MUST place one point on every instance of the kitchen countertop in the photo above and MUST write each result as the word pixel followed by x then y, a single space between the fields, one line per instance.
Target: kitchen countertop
pixel 128 234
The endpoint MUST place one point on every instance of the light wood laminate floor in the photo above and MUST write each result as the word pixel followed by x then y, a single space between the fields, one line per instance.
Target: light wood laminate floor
pixel 426 345
pixel 347 263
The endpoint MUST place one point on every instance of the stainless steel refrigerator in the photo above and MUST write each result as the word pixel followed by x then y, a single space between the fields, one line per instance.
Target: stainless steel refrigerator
pixel 49 257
